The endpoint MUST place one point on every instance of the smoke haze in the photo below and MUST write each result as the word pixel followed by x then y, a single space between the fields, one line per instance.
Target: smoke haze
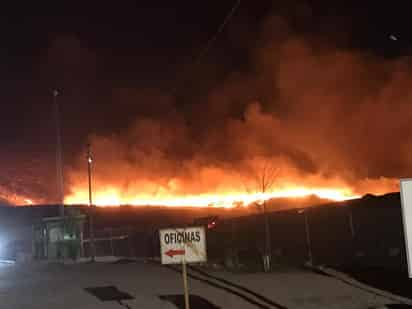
pixel 324 116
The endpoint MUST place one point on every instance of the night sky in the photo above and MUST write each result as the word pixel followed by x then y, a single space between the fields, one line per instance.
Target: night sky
pixel 109 59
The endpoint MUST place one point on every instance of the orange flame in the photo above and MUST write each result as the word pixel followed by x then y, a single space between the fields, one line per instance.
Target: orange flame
pixel 113 197
pixel 116 184
pixel 14 198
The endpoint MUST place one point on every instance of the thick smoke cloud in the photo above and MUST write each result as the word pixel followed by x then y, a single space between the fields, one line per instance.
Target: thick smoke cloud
pixel 325 116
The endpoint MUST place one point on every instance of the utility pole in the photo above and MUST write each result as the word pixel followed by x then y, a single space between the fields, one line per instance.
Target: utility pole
pixel 91 210
pixel 59 161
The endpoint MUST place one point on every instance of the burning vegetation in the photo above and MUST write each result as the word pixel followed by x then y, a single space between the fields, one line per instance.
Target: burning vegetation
pixel 328 120
pixel 331 122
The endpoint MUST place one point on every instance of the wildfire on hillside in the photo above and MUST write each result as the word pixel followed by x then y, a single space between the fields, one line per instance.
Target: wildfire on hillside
pixel 327 120
pixel 331 122
pixel 218 188
pixel 112 197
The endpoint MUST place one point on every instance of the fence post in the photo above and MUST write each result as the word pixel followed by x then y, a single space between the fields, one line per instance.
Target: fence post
pixel 111 241
pixel 351 225
pixel 129 241
pixel 81 243
pixel 308 238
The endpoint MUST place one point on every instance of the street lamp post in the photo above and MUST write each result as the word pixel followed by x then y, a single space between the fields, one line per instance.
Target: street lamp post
pixel 91 210
pixel 59 161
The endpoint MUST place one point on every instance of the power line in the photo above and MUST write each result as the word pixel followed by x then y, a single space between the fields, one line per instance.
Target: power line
pixel 209 43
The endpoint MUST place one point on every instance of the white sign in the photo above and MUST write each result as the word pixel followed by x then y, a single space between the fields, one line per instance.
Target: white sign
pixel 183 245
pixel 406 201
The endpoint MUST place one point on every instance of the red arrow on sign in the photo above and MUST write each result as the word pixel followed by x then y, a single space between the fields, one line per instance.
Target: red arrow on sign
pixel 171 253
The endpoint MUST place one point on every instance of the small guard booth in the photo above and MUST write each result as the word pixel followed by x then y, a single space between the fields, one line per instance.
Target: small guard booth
pixel 59 237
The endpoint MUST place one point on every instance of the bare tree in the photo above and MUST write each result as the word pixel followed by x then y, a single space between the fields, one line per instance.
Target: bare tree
pixel 266 177
pixel 264 180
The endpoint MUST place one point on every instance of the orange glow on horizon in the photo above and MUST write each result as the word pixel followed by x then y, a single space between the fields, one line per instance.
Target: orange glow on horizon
pixel 28 201
pixel 113 197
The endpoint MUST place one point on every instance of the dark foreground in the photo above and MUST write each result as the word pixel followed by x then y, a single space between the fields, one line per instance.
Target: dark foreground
pixel 149 285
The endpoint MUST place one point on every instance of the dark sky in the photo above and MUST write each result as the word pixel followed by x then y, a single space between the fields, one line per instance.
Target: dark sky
pixel 88 50
pixel 92 51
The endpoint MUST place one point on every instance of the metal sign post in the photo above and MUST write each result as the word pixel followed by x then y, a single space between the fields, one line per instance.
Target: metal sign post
pixel 185 287
pixel 406 201
pixel 182 246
